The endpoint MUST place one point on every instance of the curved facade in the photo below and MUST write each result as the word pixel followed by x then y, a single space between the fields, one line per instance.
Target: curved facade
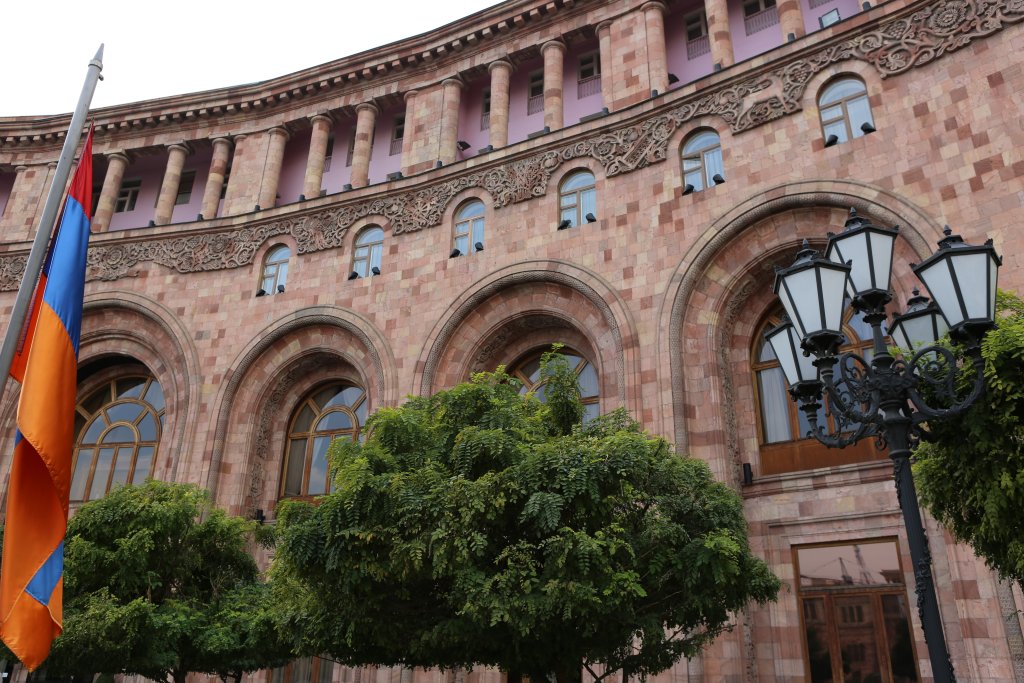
pixel 621 177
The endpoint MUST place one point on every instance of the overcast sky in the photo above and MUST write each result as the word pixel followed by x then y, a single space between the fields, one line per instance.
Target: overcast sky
pixel 156 49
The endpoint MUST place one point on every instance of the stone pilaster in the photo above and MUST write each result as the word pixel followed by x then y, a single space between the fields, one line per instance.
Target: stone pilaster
pixel 554 65
pixel 501 74
pixel 717 12
pixel 604 39
pixel 176 154
pixel 654 20
pixel 410 129
pixel 314 177
pixel 215 179
pixel 451 102
pixel 272 168
pixel 366 119
pixel 117 162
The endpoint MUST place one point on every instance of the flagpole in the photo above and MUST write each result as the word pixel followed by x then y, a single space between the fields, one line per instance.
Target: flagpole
pixel 47 220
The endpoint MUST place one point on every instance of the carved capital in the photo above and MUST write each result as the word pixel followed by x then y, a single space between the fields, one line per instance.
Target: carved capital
pixel 368 106
pixel 502 64
pixel 553 45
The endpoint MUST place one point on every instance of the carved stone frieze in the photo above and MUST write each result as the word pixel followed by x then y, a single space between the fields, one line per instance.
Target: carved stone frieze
pixel 893 47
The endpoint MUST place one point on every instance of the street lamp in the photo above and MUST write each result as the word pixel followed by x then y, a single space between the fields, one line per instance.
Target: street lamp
pixel 883 397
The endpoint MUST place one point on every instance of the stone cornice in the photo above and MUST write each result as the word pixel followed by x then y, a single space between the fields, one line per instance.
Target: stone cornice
pixel 924 33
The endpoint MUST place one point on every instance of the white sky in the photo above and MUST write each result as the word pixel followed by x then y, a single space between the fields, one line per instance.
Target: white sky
pixel 157 49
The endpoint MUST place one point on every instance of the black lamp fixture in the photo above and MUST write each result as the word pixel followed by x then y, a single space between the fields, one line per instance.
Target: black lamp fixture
pixel 375 271
pixel 280 289
pixel 879 396
pixel 867 128
pixel 673 79
pixel 831 140
pixel 591 218
pixel 566 223
pixel 455 253
pixel 479 246
pixel 718 179
pixel 261 292
pixel 463 145
pixel 688 189
pixel 354 275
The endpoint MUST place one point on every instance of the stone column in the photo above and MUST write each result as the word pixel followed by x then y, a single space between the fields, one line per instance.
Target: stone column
pixel 314 179
pixel 117 162
pixel 366 118
pixel 501 74
pixel 604 38
pixel 407 139
pixel 176 154
pixel 451 101
pixel 717 12
pixel 554 60
pixel 791 19
pixel 272 168
pixel 657 61
pixel 215 179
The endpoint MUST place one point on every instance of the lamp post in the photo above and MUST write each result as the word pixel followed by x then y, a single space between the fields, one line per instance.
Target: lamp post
pixel 882 397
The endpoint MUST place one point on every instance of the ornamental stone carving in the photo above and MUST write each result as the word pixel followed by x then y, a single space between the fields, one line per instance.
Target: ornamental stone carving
pixel 892 48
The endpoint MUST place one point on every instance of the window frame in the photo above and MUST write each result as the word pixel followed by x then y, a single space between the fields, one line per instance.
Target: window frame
pixel 465 226
pixel 700 156
pixel 128 195
pixel 578 195
pixel 374 250
pixel 701 18
pixel 535 102
pixel 516 370
pixel 272 262
pixel 852 131
pixel 184 195
pixel 758 5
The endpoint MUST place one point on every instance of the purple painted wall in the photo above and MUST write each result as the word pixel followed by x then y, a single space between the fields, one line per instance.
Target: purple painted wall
pixel 6 186
pixel 293 168
pixel 382 162
pixel 339 172
pixel 470 113
pixel 744 46
pixel 150 170
pixel 847 8
pixel 519 123
pixel 678 51
pixel 577 107
pixel 198 161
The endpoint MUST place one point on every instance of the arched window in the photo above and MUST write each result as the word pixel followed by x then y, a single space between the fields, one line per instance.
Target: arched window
pixel 368 252
pixel 527 371
pixel 117 431
pixel 275 270
pixel 469 227
pixel 577 197
pixel 782 427
pixel 843 106
pixel 702 159
pixel 335 411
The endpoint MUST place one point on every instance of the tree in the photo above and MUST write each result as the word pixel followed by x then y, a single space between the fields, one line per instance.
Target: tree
pixel 970 475
pixel 159 582
pixel 479 526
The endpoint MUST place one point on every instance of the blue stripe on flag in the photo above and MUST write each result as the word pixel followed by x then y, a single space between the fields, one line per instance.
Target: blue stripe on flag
pixel 42 584
pixel 65 284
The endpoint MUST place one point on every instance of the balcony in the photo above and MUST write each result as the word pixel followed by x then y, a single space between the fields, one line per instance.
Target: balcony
pixel 586 87
pixel 697 47
pixel 759 21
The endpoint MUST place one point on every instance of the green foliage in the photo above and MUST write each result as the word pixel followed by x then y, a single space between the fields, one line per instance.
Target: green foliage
pixel 971 477
pixel 159 582
pixel 478 526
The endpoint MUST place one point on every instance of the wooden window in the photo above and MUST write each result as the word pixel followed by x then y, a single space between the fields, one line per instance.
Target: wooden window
pixel 696 25
pixel 117 432
pixel 275 269
pixel 397 134
pixel 751 7
pixel 702 159
pixel 588 81
pixel 469 227
pixel 369 250
pixel 188 180
pixel 577 196
pixel 782 428
pixel 844 108
pixel 335 411
pixel 128 195
pixel 854 613
pixel 329 153
pixel 527 371
pixel 535 101
pixel 485 110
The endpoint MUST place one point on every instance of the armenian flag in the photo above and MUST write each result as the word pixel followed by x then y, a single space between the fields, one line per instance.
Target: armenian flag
pixel 31 578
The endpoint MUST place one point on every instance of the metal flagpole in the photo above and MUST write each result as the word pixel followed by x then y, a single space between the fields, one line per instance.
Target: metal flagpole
pixel 47 220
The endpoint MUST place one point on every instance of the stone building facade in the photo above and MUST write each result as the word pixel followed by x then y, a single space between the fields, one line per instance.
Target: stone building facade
pixel 279 258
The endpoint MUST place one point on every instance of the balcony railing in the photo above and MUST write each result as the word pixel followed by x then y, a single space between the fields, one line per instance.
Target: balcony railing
pixel 760 21
pixel 396 146
pixel 585 87
pixel 697 47
pixel 535 104
pixel 327 164
pixel 485 121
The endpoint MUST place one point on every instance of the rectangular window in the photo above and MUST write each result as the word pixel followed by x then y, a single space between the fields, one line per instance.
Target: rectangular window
pixel 751 7
pixel 128 195
pixel 829 18
pixel 329 153
pixel 224 185
pixel 696 25
pixel 485 110
pixel 188 179
pixel 589 75
pixel 535 103
pixel 397 134
pixel 351 148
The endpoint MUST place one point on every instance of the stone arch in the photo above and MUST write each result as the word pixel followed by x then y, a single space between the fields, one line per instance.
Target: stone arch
pixel 524 300
pixel 316 332
pixel 729 267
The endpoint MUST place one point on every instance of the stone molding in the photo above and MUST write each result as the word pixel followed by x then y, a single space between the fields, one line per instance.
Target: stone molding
pixel 893 47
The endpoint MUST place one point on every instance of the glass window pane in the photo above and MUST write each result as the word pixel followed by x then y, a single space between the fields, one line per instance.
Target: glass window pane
pixel 282 274
pixel 97 400
pixel 838 129
pixel 590 412
pixel 531 370
pixel 124 412
pixel 702 140
pixel 122 464
pixel 696 179
pixel 361 412
pixel 897 636
pixel 296 464
pixel 858 564
pixel 578 180
pixel 332 422
pixel 369 235
pixel 831 113
pixel 121 434
pixel 155 396
pixel 130 387
pixel 478 231
pixel 82 466
pixel 767 352
pixel 860 113
pixel 840 89
pixel 462 228
pixel 588 381
pixel 350 396
pixel 774 407
pixel 471 209
pixel 304 421
pixel 104 460
pixel 713 163
pixel 324 397
pixel 143 464
pixel 95 429
pixel 569 215
pixel 568 199
pixel 318 466
pixel 816 634
pixel 375 255
pixel 462 244
pixel 858 648
pixel 589 202
pixel 147 428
